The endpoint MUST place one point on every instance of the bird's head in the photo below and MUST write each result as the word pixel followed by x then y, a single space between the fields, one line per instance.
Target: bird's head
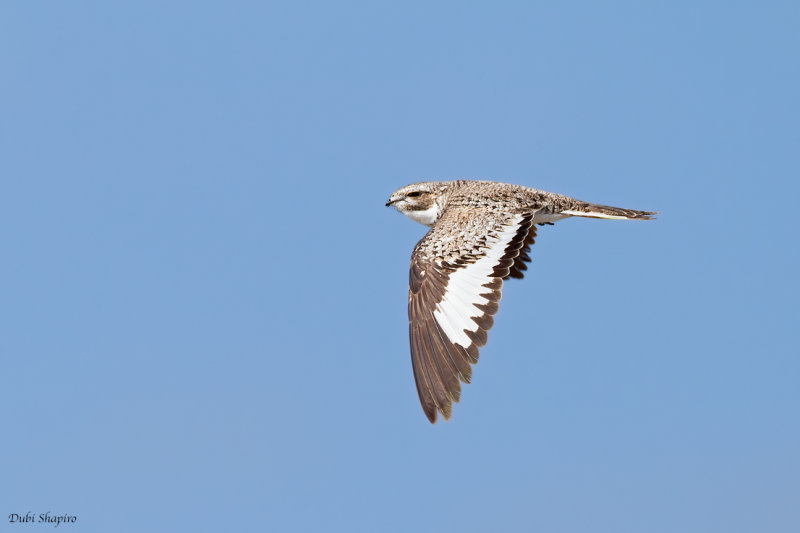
pixel 421 202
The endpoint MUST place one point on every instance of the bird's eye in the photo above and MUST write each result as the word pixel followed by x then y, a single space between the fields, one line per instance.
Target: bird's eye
pixel 413 194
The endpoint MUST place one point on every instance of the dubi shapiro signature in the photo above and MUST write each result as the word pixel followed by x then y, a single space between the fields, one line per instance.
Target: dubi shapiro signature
pixel 29 518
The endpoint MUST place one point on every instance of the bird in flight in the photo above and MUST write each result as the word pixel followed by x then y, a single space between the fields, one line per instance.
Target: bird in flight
pixel 481 234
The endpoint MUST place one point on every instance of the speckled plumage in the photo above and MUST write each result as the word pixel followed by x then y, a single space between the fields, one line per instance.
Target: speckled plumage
pixel 481 233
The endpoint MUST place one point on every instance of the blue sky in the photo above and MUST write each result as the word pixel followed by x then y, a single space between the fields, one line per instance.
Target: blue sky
pixel 204 297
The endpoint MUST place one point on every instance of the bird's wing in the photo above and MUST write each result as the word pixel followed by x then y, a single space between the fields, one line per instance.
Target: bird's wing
pixel 457 272
pixel 519 267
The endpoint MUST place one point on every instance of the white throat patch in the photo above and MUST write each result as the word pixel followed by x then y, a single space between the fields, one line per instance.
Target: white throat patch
pixel 425 216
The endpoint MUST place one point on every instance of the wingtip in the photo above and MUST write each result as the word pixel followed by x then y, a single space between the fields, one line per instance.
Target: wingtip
pixel 431 415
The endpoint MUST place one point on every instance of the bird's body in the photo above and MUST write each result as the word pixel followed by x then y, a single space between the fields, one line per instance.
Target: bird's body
pixel 481 232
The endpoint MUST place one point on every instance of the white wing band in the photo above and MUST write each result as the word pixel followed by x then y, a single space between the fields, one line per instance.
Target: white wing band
pixel 464 287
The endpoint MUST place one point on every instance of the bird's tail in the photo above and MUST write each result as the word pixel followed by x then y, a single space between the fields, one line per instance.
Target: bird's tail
pixel 608 212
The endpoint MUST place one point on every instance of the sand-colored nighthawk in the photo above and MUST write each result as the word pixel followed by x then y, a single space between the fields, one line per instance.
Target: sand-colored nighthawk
pixel 481 233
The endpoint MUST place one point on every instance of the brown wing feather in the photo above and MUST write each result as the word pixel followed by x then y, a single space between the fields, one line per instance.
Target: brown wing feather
pixel 519 267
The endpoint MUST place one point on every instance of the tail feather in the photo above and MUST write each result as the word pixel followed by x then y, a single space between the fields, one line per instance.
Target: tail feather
pixel 608 212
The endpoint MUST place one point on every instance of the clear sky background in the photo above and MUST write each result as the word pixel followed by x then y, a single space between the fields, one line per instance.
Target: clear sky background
pixel 203 320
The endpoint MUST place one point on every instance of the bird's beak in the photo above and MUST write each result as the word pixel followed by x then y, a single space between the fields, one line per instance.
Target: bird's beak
pixel 390 202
